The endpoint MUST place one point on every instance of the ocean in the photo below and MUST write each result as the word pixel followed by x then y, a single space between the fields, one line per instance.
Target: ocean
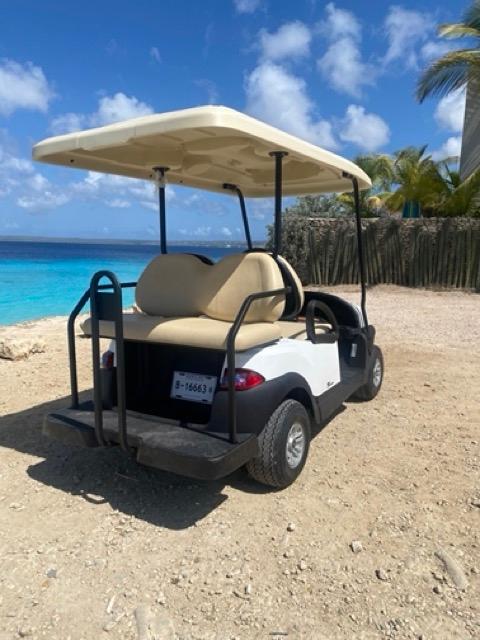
pixel 40 279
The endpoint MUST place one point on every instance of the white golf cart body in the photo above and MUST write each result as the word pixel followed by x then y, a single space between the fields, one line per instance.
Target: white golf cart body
pixel 213 349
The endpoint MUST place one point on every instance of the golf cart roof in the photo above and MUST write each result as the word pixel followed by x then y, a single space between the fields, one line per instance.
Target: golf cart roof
pixel 204 147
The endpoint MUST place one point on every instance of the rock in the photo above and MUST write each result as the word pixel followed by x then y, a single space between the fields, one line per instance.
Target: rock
pixel 248 589
pixel 24 632
pixel 356 546
pixel 52 573
pixel 302 565
pixel 291 526
pixel 381 574
pixel 110 604
pixel 475 502
pixel 437 589
pixel 16 349
pixel 153 625
pixel 453 568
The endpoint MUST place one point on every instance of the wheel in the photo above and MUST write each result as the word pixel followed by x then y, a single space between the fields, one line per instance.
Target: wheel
pixel 284 444
pixel 375 377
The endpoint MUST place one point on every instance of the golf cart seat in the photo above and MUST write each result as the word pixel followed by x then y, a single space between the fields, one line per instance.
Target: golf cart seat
pixel 187 302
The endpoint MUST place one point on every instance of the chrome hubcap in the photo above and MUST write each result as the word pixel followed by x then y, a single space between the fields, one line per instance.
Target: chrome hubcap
pixel 377 372
pixel 295 445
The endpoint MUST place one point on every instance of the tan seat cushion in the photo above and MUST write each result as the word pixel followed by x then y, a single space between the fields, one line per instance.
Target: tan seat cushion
pixel 194 332
pixel 172 285
pixel 233 278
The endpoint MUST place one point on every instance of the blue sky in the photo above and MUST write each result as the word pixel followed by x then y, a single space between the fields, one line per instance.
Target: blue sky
pixel 341 75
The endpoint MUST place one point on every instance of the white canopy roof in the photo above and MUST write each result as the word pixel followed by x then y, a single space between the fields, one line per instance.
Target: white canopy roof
pixel 203 147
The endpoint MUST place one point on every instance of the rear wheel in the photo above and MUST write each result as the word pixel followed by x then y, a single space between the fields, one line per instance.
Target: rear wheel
pixel 375 377
pixel 284 444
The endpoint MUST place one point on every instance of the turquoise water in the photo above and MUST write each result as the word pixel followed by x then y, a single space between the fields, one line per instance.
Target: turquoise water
pixel 39 279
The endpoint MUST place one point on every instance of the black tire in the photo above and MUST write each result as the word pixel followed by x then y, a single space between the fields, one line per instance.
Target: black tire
pixel 272 466
pixel 371 388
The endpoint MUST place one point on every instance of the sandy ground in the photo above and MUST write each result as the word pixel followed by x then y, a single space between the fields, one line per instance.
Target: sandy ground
pixel 87 537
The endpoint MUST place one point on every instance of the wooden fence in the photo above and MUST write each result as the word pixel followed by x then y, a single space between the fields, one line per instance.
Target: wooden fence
pixel 416 253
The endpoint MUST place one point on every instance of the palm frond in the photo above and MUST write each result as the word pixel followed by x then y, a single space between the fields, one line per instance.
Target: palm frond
pixel 458 31
pixel 471 17
pixel 450 72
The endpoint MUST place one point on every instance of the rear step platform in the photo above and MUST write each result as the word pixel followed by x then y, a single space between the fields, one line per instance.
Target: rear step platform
pixel 188 451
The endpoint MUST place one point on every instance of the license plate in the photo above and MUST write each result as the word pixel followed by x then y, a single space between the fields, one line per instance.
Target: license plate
pixel 194 387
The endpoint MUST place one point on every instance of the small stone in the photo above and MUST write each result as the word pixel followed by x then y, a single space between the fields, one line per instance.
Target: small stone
pixel 52 573
pixel 381 574
pixel 453 568
pixel 288 554
pixel 161 599
pixel 356 546
pixel 437 589
pixel 302 565
pixel 248 589
pixel 24 632
pixel 475 502
pixel 291 526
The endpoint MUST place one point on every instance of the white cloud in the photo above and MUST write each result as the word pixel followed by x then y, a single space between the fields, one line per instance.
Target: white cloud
pixel 405 30
pixel 155 54
pixel 41 202
pixel 450 111
pixel 13 170
pixel 119 107
pixel 68 122
pixel 368 131
pixel 339 23
pixel 434 49
pixel 281 99
pixel 118 203
pixel 292 40
pixel 226 232
pixel 211 89
pixel 342 65
pixel 110 109
pixel 23 87
pixel 450 149
pixel 343 68
pixel 247 6
pixel 202 232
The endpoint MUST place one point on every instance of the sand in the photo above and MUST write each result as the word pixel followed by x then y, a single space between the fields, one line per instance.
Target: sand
pixel 88 537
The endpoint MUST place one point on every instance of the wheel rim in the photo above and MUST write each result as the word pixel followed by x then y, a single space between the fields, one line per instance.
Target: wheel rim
pixel 295 445
pixel 377 373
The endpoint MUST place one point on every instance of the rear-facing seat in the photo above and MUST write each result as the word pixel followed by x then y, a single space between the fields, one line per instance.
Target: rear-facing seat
pixel 187 302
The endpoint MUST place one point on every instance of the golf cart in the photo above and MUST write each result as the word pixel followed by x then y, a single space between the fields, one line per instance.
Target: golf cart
pixel 224 364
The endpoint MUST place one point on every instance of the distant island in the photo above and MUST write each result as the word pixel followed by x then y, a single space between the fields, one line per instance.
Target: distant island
pixel 181 243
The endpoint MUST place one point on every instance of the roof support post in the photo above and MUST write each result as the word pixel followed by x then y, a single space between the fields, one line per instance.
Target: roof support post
pixel 243 209
pixel 361 257
pixel 160 180
pixel 278 156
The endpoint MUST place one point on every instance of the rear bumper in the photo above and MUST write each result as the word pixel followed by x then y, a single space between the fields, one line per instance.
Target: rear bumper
pixel 186 451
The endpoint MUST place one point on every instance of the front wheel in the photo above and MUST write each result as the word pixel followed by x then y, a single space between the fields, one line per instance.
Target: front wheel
pixel 284 444
pixel 375 377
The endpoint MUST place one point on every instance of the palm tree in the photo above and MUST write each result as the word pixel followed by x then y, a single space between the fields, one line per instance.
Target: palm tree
pixel 453 70
pixel 379 168
pixel 459 198
pixel 420 184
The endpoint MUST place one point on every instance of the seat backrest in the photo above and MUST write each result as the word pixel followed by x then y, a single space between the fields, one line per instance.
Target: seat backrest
pixel 235 277
pixel 174 285
pixel 171 285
